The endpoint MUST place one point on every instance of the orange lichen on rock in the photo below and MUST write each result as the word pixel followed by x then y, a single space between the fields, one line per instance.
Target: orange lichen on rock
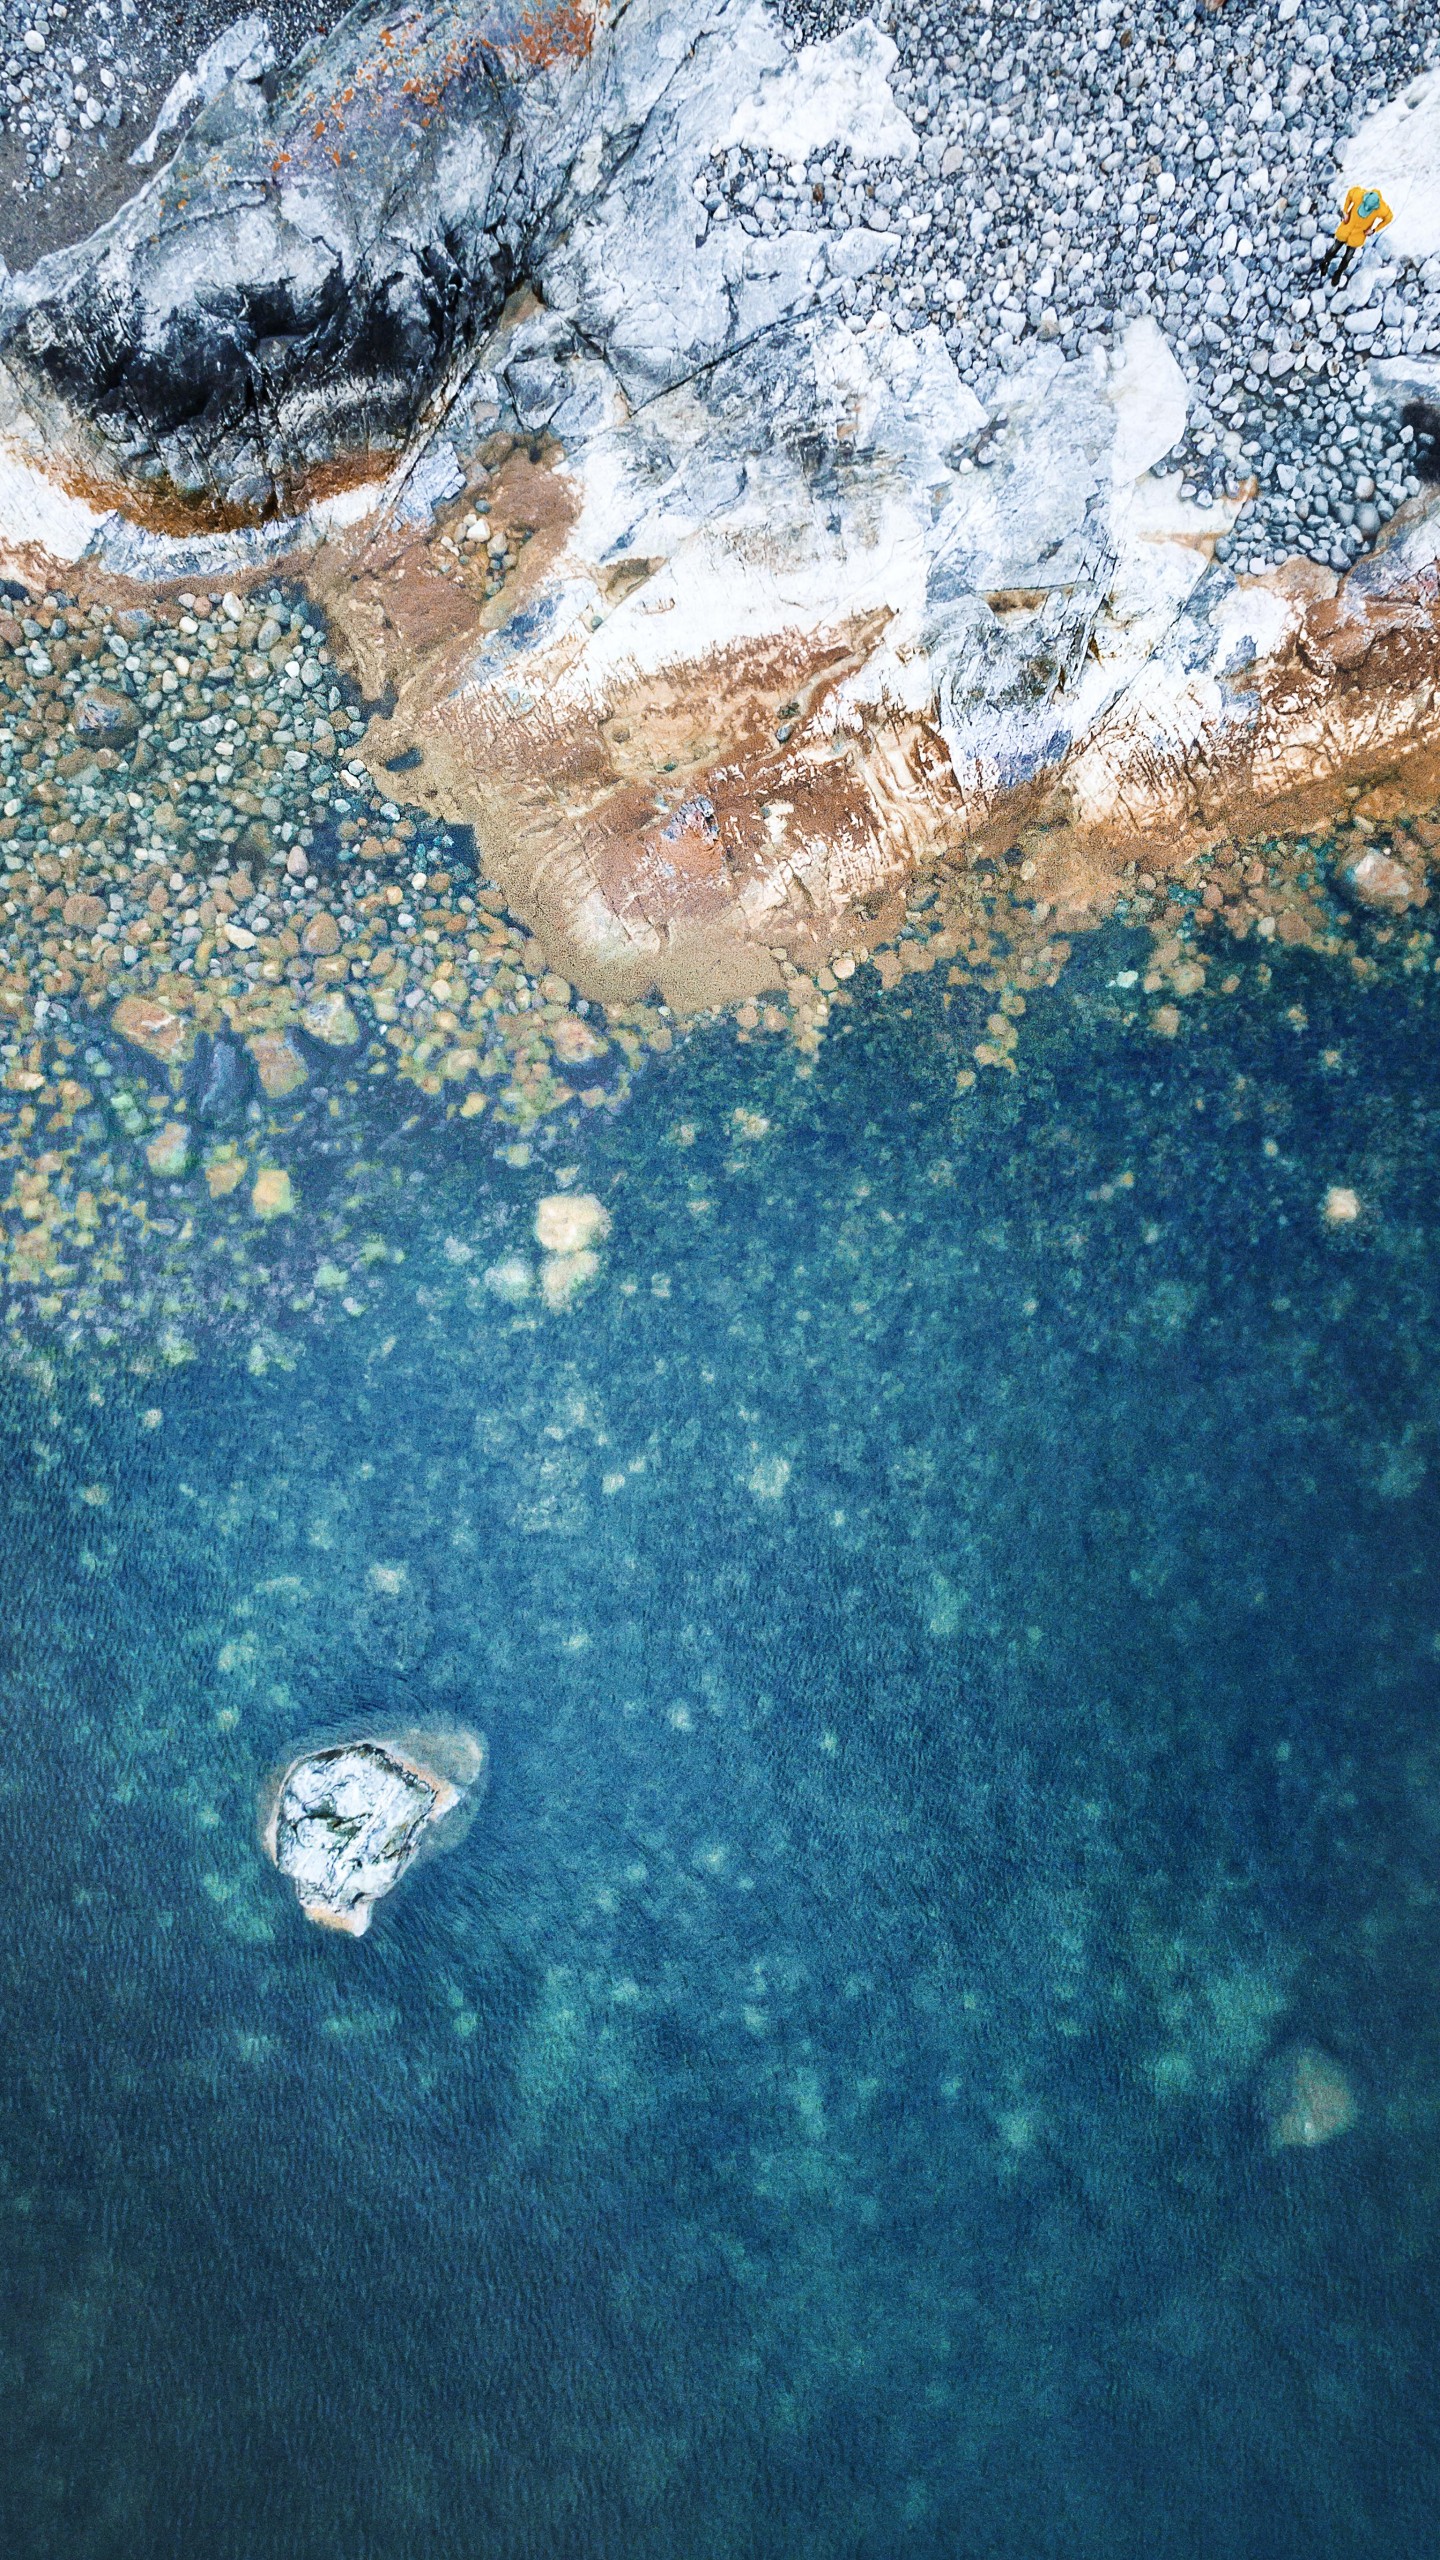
pixel 412 74
pixel 563 32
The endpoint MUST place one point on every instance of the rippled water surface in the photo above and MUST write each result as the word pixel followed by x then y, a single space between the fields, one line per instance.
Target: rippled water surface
pixel 954 1614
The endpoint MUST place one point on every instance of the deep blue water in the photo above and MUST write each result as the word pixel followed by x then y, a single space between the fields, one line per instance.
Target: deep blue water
pixel 955 1617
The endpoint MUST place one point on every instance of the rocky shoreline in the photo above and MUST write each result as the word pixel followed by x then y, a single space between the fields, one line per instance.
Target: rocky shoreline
pixel 676 626
pixel 719 607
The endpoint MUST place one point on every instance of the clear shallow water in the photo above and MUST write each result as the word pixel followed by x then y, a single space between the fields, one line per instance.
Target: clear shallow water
pixel 957 1633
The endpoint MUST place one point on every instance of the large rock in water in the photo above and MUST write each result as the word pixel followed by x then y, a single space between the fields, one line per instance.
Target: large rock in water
pixel 345 1821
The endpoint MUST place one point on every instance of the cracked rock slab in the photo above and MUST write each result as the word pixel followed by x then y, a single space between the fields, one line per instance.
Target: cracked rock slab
pixel 346 1821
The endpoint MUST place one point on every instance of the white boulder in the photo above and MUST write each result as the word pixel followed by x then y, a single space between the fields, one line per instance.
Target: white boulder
pixel 345 1821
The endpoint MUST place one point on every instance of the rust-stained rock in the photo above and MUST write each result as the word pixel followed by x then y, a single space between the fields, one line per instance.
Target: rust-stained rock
pixel 321 936
pixel 82 912
pixel 1333 636
pixel 278 1063
pixel 1382 802
pixel 157 1027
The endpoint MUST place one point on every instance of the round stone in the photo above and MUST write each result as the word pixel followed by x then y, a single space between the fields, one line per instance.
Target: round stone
pixel 571 1222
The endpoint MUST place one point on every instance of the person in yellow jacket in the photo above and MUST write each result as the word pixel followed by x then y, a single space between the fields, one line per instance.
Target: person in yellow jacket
pixel 1364 210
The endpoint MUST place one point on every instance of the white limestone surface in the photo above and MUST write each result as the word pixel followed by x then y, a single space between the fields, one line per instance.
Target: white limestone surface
pixel 832 93
pixel 1398 150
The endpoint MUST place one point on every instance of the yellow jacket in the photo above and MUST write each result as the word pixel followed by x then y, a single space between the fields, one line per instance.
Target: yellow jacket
pixel 1355 227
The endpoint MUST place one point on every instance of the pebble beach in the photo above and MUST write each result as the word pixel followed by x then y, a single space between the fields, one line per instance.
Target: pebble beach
pixel 1078 169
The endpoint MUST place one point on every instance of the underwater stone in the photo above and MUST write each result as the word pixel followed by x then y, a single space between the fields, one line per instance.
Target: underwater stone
pixel 345 1822
pixel 1376 879
pixel 571 1222
pixel 392 1620
pixel 575 1042
pixel 220 1086
pixel 274 1193
pixel 169 1149
pixel 330 1019
pixel 1305 2098
pixel 511 1279
pixel 156 1027
pixel 564 1275
pixel 223 1175
pixel 278 1063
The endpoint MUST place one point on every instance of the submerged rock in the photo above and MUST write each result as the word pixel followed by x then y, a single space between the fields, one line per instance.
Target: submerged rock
pixel 329 1018
pixel 563 1276
pixel 345 1821
pixel 220 1081
pixel 391 1622
pixel 1305 2098
pixel 571 1222
pixel 160 1029
pixel 278 1063
pixel 170 1150
pixel 1376 879
pixel 273 1195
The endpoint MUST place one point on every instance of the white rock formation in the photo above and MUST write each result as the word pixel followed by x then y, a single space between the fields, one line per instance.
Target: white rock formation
pixel 346 1821
pixel 243 50
pixel 1398 150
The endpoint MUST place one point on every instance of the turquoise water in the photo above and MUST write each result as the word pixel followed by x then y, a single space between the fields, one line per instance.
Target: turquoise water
pixel 954 1615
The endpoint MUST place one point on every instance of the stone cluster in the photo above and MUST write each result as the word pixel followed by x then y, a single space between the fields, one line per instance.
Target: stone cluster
pixel 65 83
pixel 174 776
pixel 213 925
